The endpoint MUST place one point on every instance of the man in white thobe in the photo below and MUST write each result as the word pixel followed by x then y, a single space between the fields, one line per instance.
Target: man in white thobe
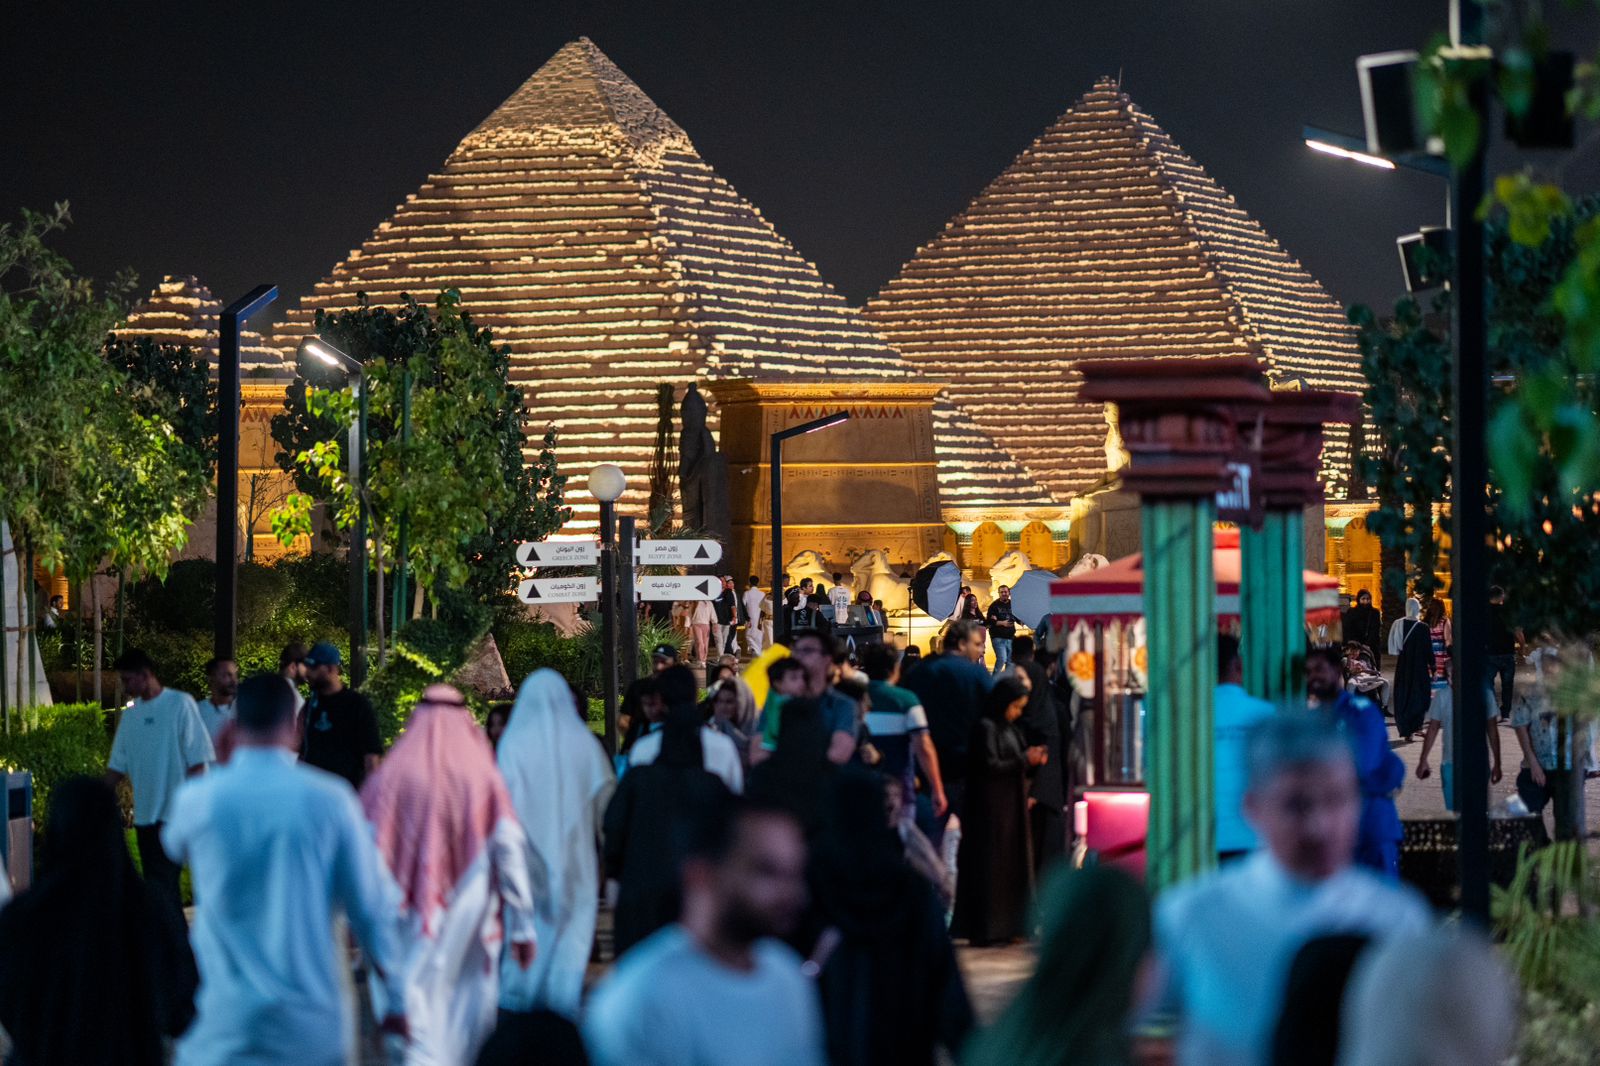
pixel 755 632
pixel 450 838
pixel 559 780
pixel 277 851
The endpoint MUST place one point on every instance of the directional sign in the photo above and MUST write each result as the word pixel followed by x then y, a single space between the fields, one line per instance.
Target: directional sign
pixel 558 590
pixel 679 588
pixel 677 552
pixel 558 553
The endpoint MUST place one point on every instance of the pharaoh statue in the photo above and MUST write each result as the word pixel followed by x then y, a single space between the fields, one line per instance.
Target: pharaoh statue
pixel 702 472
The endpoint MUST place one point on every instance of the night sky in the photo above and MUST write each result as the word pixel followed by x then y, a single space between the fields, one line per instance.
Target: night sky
pixel 248 143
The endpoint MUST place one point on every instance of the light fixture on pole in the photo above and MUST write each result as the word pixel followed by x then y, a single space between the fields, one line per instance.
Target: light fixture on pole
pixel 316 352
pixel 227 599
pixel 775 487
pixel 607 483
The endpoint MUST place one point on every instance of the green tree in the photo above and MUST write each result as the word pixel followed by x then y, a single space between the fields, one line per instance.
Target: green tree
pixel 462 480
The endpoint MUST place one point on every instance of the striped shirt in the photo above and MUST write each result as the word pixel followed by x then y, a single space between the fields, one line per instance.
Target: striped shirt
pixel 895 719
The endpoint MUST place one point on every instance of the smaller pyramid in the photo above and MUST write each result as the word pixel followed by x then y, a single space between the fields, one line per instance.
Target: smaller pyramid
pixel 181 312
pixel 1103 239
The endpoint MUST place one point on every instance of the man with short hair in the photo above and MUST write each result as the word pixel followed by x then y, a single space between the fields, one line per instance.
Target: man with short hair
pixel 663 657
pixel 160 739
pixel 1002 623
pixel 277 850
pixel 754 624
pixel 1504 637
pixel 839 600
pixel 341 727
pixel 952 687
pixel 797 601
pixel 821 658
pixel 725 628
pixel 899 728
pixel 292 668
pixel 1379 770
pixel 216 710
pixel 1227 939
pixel 1234 714
pixel 719 988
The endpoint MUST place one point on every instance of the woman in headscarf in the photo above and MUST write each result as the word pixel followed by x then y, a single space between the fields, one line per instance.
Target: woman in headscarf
pixel 732 707
pixel 1412 646
pixel 559 780
pixel 96 967
pixel 449 835
pixel 645 828
pixel 1094 950
pixel 798 771
pixel 891 990
pixel 994 868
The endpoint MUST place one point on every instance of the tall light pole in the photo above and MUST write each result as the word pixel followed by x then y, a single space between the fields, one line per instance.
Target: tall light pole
pixel 606 483
pixel 227 598
pixel 775 485
pixel 325 354
pixel 1469 474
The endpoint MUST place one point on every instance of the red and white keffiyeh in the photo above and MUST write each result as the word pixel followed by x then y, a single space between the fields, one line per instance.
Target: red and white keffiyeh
pixel 434 802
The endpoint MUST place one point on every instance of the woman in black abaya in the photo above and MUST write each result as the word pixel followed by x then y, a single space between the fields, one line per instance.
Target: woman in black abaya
pixel 97 967
pixel 994 868
pixel 1412 645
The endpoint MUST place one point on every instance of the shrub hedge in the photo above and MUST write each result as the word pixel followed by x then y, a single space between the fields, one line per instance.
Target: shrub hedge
pixel 56 743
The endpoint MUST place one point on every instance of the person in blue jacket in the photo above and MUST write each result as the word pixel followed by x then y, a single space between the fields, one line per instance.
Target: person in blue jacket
pixel 1380 770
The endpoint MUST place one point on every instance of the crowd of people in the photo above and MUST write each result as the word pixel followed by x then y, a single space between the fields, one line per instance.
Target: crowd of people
pixel 787 876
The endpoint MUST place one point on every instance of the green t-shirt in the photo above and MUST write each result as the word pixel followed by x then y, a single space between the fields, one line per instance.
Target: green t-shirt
pixel 769 720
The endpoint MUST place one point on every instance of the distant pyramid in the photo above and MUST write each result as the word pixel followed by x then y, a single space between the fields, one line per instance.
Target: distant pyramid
pixel 1103 240
pixel 183 313
pixel 580 224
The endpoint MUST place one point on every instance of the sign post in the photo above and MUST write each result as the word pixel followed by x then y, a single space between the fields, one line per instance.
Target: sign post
pixel 558 553
pixel 679 588
pixel 558 590
pixel 678 553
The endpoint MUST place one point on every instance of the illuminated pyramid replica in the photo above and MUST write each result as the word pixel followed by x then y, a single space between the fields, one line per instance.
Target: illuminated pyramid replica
pixel 582 227
pixel 1104 240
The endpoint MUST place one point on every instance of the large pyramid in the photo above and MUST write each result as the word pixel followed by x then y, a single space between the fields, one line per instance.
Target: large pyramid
pixel 580 224
pixel 1103 240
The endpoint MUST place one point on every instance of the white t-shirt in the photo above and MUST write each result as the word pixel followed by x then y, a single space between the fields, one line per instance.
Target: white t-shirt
pixel 667 1002
pixel 214 717
pixel 157 742
pixel 720 755
pixel 1227 941
pixel 753 599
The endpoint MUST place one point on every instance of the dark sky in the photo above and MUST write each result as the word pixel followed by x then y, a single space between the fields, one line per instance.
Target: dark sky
pixel 260 142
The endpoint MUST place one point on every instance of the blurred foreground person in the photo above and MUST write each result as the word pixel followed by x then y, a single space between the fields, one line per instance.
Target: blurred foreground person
pixel 543 1038
pixel 797 774
pixel 559 780
pixel 1379 772
pixel 1094 956
pixel 1228 938
pixel 1313 999
pixel 97 968
pixel 1441 999
pixel 720 755
pixel 718 988
pixel 891 990
pixel 449 835
pixel 646 825
pixel 276 849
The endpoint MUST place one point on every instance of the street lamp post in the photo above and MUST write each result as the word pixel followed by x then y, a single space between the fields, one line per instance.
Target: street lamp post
pixel 606 484
pixel 775 484
pixel 233 318
pixel 1469 474
pixel 330 356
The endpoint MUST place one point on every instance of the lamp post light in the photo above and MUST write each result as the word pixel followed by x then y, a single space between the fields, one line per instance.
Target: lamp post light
pixel 324 354
pixel 607 482
pixel 775 482
pixel 1469 475
pixel 232 319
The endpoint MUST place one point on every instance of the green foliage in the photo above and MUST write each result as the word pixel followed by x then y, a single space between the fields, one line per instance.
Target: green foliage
pixel 1546 920
pixel 94 469
pixel 172 383
pixel 529 646
pixel 1443 84
pixel 426 651
pixel 460 479
pixel 59 742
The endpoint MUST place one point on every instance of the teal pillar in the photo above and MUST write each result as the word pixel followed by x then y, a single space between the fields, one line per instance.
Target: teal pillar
pixel 1181 628
pixel 1272 607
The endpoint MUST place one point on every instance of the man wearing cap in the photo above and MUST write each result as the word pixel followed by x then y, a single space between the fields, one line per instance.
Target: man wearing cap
pixel 341 728
pixel 663 657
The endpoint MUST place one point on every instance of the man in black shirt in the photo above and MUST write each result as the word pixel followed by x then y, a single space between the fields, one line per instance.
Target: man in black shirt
pixel 1002 623
pixel 726 606
pixel 341 728
pixel 1502 649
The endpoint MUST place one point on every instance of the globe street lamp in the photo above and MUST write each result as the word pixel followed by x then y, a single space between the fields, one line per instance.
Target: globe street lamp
pixel 316 352
pixel 607 482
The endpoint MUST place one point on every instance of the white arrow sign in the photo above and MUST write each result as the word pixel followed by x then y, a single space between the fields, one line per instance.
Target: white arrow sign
pixel 558 589
pixel 679 588
pixel 677 552
pixel 558 553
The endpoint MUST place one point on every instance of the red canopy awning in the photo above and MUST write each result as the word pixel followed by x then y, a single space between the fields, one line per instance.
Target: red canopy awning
pixel 1115 593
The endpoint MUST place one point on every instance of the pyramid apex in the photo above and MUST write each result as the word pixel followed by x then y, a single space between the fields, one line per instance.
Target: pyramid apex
pixel 580 93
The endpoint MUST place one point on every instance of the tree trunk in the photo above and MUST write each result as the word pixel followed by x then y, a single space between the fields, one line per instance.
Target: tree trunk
pixel 24 696
pixel 122 598
pixel 416 603
pixel 33 630
pixel 77 649
pixel 377 553
pixel 99 641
